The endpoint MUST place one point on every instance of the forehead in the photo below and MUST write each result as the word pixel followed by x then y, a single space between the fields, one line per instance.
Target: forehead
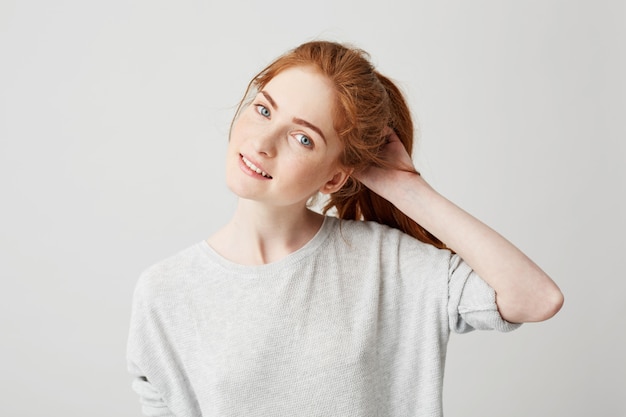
pixel 304 92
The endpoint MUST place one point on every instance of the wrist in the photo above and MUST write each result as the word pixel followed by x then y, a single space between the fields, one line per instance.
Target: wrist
pixel 406 189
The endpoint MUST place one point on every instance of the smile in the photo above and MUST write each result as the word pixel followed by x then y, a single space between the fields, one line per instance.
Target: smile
pixel 255 168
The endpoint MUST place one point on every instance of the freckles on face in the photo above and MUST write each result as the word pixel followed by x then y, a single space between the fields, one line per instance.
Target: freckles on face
pixel 287 132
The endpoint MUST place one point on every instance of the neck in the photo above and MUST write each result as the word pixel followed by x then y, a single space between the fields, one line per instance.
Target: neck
pixel 260 234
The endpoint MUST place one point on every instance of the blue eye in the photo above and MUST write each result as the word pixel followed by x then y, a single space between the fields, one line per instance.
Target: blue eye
pixel 263 111
pixel 304 140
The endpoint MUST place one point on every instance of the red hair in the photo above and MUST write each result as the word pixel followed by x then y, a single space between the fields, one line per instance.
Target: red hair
pixel 367 103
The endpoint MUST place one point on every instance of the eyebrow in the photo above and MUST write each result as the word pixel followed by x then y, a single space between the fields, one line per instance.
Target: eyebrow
pixel 296 120
pixel 270 99
pixel 310 126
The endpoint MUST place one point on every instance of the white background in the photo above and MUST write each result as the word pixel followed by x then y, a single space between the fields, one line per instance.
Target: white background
pixel 113 125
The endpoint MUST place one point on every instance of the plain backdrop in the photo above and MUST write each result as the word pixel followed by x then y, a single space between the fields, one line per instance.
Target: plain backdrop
pixel 113 124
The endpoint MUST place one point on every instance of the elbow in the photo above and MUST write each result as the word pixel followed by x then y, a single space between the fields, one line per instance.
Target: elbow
pixel 552 304
pixel 537 305
pixel 546 304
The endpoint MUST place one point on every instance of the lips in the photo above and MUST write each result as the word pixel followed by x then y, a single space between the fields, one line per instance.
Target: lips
pixel 254 168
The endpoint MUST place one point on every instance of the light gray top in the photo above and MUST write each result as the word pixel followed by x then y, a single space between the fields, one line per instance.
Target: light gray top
pixel 355 323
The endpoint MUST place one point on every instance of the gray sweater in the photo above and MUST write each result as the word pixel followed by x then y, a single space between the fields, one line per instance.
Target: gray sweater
pixel 355 323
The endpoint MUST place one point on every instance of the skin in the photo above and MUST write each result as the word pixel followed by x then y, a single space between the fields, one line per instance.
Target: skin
pixel 288 132
pixel 271 220
pixel 524 293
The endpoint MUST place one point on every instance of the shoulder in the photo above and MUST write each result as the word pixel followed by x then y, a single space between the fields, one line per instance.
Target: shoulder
pixel 370 233
pixel 162 278
pixel 388 254
pixel 386 246
pixel 364 229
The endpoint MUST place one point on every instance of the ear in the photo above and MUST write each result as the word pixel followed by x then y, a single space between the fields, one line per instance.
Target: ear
pixel 337 181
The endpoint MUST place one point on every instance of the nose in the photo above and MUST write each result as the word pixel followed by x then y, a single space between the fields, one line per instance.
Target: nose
pixel 267 142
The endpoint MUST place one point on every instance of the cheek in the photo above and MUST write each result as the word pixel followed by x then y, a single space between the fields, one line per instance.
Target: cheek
pixel 312 173
pixel 240 125
pixel 235 132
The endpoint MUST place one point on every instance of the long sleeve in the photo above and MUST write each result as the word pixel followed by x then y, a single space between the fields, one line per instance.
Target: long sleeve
pixel 154 351
pixel 152 404
pixel 139 340
pixel 472 302
pixel 355 323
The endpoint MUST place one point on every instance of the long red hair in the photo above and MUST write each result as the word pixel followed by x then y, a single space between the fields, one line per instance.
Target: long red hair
pixel 367 103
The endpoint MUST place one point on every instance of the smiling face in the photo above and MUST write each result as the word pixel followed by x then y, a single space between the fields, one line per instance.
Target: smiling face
pixel 283 146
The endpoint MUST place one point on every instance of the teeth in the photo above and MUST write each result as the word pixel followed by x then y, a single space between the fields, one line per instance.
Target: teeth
pixel 254 167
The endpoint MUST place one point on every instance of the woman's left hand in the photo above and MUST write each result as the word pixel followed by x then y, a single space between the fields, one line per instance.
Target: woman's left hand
pixel 523 291
pixel 380 179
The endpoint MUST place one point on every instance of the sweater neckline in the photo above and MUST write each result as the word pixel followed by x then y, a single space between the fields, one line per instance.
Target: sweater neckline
pixel 288 261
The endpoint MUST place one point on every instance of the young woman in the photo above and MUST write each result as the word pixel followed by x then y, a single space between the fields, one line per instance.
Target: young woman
pixel 287 312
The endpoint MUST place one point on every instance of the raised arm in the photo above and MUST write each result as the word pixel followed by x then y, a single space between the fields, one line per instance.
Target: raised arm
pixel 524 293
